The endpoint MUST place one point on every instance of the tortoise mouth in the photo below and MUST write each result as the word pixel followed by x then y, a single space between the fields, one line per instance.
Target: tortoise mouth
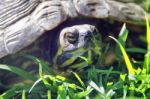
pixel 73 59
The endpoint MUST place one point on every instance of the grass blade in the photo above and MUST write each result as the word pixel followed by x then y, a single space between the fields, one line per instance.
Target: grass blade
pixel 18 71
pixel 8 94
pixel 122 39
pixel 41 74
pixel 23 94
pixel 44 64
pixel 126 58
pixel 79 79
pixel 37 82
pixel 147 2
pixel 123 35
pixel 49 94
pixel 136 50
pixel 84 93
pixel 147 63
pixel 99 89
pixel 147 32
pixel 124 92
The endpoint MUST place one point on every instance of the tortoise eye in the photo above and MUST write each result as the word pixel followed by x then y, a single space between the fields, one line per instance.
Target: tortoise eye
pixel 72 37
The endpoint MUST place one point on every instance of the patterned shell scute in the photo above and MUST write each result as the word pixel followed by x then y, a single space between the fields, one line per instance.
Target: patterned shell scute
pixel 23 21
pixel 13 10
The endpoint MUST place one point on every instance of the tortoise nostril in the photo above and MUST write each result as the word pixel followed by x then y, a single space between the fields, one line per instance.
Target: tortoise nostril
pixel 88 36
pixel 95 31
pixel 89 33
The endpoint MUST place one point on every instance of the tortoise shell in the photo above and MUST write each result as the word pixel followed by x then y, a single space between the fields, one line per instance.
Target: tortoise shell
pixel 23 21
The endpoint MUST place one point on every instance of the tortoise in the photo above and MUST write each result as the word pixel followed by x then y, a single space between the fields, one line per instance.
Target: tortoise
pixel 22 22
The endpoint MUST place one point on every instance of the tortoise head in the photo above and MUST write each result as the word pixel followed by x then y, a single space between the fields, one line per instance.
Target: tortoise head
pixel 74 42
